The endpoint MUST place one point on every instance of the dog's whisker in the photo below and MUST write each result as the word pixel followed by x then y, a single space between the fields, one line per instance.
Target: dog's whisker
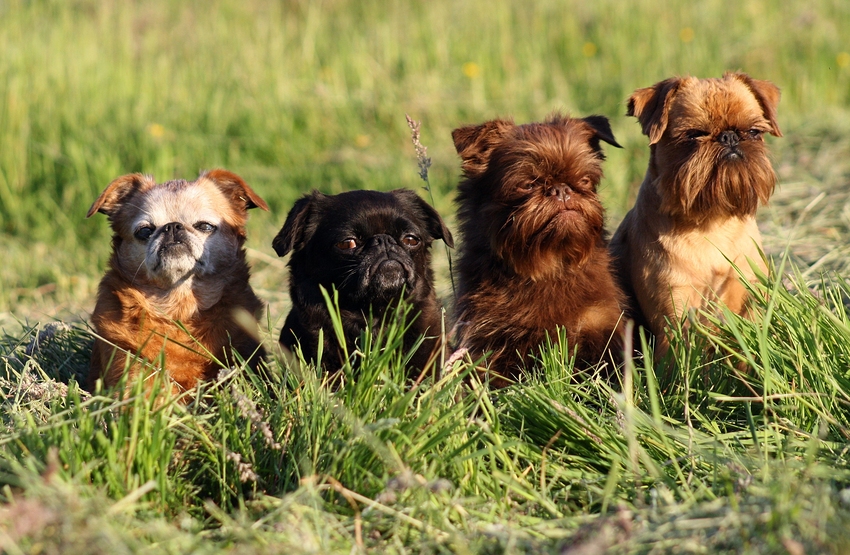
pixel 133 279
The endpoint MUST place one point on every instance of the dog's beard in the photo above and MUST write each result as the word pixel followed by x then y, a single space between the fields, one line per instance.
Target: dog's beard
pixel 708 182
pixel 539 238
pixel 170 264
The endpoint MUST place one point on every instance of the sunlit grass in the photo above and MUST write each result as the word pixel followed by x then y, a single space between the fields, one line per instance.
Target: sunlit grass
pixel 752 437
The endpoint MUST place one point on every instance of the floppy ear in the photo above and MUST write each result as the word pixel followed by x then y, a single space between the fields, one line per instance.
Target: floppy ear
pixel 475 142
pixel 601 132
pixel 651 107
pixel 235 189
pixel 767 95
pixel 433 222
pixel 299 227
pixel 118 191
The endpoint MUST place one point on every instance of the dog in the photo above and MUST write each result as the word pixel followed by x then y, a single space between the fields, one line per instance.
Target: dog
pixel 534 255
pixel 176 297
pixel 373 248
pixel 692 230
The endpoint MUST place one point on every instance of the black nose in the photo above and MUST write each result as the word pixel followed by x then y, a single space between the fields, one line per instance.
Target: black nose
pixel 729 138
pixel 560 191
pixel 171 230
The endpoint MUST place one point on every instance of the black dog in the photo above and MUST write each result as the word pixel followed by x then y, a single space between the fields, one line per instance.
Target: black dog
pixel 369 246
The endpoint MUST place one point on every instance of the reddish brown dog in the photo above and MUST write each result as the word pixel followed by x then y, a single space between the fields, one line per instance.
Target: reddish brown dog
pixel 176 297
pixel 534 254
pixel 695 213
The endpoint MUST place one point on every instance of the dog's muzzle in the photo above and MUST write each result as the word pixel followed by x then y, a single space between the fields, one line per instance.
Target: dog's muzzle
pixel 390 267
pixel 171 235
pixel 731 143
pixel 390 275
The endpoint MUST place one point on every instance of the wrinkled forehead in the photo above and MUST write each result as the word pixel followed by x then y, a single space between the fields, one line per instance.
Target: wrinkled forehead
pixel 716 103
pixel 185 202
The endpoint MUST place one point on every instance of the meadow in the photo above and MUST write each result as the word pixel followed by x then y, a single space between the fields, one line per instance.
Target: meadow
pixel 689 455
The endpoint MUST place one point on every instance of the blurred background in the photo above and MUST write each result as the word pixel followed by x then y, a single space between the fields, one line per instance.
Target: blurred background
pixel 300 94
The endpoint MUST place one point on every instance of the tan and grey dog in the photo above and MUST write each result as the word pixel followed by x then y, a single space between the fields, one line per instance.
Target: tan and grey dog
pixel 176 296
pixel 694 217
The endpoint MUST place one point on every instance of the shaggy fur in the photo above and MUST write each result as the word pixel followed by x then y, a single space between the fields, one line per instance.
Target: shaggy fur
pixel 695 213
pixel 176 297
pixel 534 255
pixel 373 248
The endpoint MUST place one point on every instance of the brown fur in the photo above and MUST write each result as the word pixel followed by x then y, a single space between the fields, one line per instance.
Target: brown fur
pixel 533 254
pixel 187 321
pixel 695 211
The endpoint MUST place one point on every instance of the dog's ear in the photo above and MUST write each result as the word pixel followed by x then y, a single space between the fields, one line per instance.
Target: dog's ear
pixel 235 189
pixel 767 95
pixel 475 142
pixel 601 132
pixel 299 225
pixel 433 222
pixel 118 191
pixel 651 107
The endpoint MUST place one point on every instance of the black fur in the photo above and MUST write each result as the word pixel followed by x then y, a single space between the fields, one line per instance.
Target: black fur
pixel 369 276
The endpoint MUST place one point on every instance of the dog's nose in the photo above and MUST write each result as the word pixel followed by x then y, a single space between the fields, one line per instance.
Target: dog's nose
pixel 729 138
pixel 381 240
pixel 560 191
pixel 172 229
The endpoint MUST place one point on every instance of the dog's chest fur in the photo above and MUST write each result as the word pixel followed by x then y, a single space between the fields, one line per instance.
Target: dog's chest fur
pixel 189 335
pixel 693 266
pixel 506 314
pixel 703 258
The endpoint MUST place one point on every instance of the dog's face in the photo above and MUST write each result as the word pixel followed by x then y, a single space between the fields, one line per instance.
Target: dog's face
pixel 530 190
pixel 707 142
pixel 369 245
pixel 165 233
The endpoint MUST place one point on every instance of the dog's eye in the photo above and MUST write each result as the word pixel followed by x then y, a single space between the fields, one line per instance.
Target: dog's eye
pixel 347 245
pixel 694 134
pixel 410 240
pixel 528 185
pixel 206 227
pixel 755 133
pixel 143 233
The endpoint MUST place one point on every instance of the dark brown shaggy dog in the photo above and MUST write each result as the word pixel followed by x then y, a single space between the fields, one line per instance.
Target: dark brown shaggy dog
pixel 695 213
pixel 374 249
pixel 176 293
pixel 534 255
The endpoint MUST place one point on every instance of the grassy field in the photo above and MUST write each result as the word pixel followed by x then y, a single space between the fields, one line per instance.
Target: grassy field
pixel 298 94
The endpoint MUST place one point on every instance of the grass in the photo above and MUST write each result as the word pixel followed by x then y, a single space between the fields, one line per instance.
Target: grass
pixel 703 459
pixel 739 444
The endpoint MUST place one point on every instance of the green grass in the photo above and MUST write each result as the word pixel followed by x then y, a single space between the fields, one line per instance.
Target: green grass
pixel 713 455
pixel 739 444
